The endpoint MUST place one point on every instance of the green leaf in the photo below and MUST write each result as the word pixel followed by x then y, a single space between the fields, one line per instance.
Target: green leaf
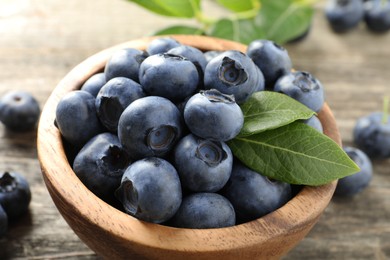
pixel 176 8
pixel 267 110
pixel 295 153
pixel 238 5
pixel 180 29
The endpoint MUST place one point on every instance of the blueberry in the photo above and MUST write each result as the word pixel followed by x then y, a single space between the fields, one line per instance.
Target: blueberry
pixel 343 15
pixel 76 117
pixel 100 165
pixel 3 222
pixel 203 165
pixel 114 97
pixel 209 55
pixel 355 183
pixel 161 45
pixel 213 115
pixel 234 73
pixel 254 195
pixel 191 53
pixel 303 87
pixel 15 195
pixel 204 210
pixel 272 59
pixel 315 123
pixel 150 190
pixel 377 15
pixel 150 126
pixel 94 84
pixel 168 75
pixel 125 63
pixel 371 134
pixel 19 111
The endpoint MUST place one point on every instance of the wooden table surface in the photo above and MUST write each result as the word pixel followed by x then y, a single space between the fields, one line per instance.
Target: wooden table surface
pixel 41 40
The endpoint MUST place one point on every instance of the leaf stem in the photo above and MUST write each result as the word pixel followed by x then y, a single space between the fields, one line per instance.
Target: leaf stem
pixel 200 16
pixel 385 114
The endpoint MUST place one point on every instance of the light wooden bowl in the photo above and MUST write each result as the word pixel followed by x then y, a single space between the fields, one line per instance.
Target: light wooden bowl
pixel 116 235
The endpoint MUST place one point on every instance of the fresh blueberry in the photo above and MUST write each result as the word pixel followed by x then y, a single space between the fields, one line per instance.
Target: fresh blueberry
pixel 315 123
pixel 15 195
pixel 254 195
pixel 191 53
pixel 377 15
pixel 355 183
pixel 272 59
pixel 161 45
pixel 100 165
pixel 150 190
pixel 114 97
pixel 3 222
pixel 94 84
pixel 209 55
pixel 343 15
pixel 371 134
pixel 150 126
pixel 168 75
pixel 125 63
pixel 234 73
pixel 213 115
pixel 303 87
pixel 204 210
pixel 76 117
pixel 19 111
pixel 203 165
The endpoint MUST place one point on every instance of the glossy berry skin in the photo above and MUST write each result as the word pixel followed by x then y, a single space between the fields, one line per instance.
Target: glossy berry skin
pixel 357 182
pixel 150 126
pixel 76 117
pixel 209 55
pixel 94 83
pixel 114 97
pixel 303 87
pixel 150 190
pixel 203 165
pixel 344 15
pixel 377 15
pixel 125 63
pixel 15 194
pixel 254 195
pixel 19 111
pixel 213 115
pixel 168 75
pixel 100 165
pixel 272 59
pixel 315 123
pixel 204 210
pixel 3 222
pixel 191 53
pixel 372 136
pixel 234 73
pixel 161 45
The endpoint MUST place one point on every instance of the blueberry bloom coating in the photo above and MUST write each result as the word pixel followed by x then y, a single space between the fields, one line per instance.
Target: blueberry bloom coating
pixel 203 165
pixel 372 136
pixel 254 195
pixel 161 45
pixel 343 15
pixel 191 53
pixel 303 87
pixel 15 195
pixel 125 63
pixel 272 59
pixel 377 15
pixel 355 183
pixel 315 123
pixel 150 190
pixel 150 126
pixel 209 55
pixel 168 75
pixel 213 115
pixel 94 83
pixel 3 222
pixel 233 73
pixel 19 111
pixel 113 98
pixel 100 165
pixel 204 210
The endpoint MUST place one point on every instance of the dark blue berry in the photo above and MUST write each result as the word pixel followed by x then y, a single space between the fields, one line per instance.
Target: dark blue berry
pixel 343 15
pixel 94 83
pixel 161 45
pixel 3 222
pixel 377 15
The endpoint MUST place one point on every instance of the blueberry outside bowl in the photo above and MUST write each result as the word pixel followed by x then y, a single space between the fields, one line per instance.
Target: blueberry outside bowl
pixel 115 235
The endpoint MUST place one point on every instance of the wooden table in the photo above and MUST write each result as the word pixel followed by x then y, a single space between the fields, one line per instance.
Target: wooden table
pixel 40 41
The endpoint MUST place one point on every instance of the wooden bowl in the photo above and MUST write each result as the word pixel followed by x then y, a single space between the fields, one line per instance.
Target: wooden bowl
pixel 116 235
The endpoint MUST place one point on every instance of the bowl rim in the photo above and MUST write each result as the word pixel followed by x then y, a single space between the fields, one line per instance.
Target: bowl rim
pixel 87 207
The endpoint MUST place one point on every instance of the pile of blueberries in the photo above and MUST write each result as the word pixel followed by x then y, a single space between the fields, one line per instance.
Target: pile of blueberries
pixel 344 15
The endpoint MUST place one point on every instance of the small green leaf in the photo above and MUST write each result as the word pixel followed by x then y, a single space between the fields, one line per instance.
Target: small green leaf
pixel 176 8
pixel 180 29
pixel 267 110
pixel 295 153
pixel 237 5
